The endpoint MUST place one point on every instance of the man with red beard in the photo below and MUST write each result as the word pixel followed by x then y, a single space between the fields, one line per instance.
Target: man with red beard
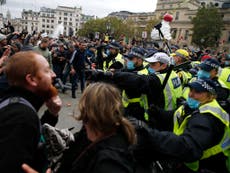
pixel 30 79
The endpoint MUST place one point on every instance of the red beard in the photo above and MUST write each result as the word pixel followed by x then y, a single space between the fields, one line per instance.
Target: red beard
pixel 48 94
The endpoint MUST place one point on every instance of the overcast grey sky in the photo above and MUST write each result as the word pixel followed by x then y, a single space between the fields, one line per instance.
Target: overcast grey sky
pixel 100 8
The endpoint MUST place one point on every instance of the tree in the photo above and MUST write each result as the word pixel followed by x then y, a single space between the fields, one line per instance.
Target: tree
pixel 150 25
pixel 207 26
pixel 111 25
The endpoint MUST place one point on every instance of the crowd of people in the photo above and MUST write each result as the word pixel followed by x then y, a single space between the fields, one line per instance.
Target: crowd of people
pixel 143 110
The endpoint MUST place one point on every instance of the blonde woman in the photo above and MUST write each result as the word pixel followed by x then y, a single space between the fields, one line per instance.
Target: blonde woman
pixel 109 135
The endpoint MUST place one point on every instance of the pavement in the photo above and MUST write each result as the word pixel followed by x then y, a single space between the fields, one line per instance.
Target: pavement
pixel 68 110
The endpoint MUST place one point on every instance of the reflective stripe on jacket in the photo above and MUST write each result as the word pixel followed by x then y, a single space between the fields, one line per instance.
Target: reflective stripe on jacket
pixel 172 90
pixel 117 58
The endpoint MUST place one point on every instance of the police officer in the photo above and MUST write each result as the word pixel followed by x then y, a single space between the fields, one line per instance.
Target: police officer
pixel 181 56
pixel 159 64
pixel 150 85
pixel 195 134
pixel 114 60
pixel 224 73
pixel 135 61
pixel 135 103
pixel 209 69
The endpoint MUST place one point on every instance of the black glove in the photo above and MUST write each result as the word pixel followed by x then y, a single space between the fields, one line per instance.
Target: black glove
pixel 138 124
pixel 98 75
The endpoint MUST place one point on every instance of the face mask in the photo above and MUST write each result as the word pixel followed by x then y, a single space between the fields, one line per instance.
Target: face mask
pixel 130 65
pixel 107 52
pixel 227 63
pixel 173 62
pixel 151 70
pixel 201 74
pixel 192 103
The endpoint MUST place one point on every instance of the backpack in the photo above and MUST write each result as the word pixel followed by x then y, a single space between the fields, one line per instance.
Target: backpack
pixel 11 100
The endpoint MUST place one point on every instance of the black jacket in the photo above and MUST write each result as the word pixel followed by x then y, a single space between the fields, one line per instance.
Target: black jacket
pixel 110 154
pixel 135 85
pixel 79 60
pixel 20 132
pixel 141 84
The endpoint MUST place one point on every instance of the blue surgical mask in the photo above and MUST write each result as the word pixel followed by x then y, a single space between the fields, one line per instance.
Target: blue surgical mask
pixel 107 52
pixel 192 103
pixel 151 70
pixel 201 74
pixel 173 62
pixel 227 63
pixel 130 65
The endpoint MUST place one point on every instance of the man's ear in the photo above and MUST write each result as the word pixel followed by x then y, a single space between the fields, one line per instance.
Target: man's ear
pixel 31 80
pixel 164 65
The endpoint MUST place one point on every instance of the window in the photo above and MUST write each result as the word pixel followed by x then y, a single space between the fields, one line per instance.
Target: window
pixel 177 15
pixel 186 34
pixel 47 26
pixel 48 20
pixel 59 18
pixel 43 20
pixel 52 21
pixel 43 26
pixel 65 14
pixel 65 18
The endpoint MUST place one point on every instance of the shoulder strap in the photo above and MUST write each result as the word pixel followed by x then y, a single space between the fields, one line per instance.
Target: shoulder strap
pixel 21 100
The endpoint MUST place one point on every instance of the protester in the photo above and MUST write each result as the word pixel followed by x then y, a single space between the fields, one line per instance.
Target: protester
pixel 43 49
pixel 77 63
pixel 30 79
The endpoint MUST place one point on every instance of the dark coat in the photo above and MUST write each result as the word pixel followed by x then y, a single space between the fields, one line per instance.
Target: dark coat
pixel 110 154
pixel 20 132
pixel 135 85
